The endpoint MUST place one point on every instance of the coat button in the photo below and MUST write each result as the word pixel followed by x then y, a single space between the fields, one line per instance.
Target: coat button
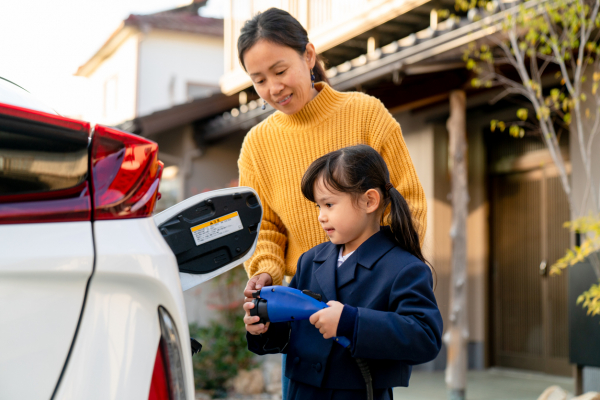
pixel 297 360
pixel 318 367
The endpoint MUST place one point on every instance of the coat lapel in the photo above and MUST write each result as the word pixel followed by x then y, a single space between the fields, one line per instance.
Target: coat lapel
pixel 325 272
pixel 366 255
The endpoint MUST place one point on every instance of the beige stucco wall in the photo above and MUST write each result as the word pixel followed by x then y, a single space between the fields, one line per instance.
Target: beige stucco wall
pixel 578 174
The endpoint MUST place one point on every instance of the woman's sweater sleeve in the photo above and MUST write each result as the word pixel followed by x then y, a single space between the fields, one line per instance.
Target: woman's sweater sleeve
pixel 390 144
pixel 269 256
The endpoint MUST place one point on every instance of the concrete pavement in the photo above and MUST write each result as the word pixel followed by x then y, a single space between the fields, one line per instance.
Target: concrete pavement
pixel 491 384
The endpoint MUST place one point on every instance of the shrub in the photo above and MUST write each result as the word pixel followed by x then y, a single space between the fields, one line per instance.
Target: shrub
pixel 224 347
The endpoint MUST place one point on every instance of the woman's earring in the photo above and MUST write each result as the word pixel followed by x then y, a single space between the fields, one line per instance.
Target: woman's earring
pixel 264 106
pixel 312 78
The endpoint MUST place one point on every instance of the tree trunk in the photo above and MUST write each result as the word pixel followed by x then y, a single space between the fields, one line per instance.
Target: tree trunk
pixel 457 333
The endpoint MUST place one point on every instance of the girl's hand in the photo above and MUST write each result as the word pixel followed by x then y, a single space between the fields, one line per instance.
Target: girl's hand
pixel 327 320
pixel 249 320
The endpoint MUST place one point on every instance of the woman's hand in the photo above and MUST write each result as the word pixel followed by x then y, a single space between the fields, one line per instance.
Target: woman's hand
pixel 255 283
pixel 249 320
pixel 327 320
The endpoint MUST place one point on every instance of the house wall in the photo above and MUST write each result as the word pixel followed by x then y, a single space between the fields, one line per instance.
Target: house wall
pixel 171 60
pixel 217 168
pixel 112 96
pixel 210 167
pixel 591 375
pixel 427 141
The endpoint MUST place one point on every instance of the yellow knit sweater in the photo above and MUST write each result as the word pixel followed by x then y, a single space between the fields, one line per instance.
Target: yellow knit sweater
pixel 276 152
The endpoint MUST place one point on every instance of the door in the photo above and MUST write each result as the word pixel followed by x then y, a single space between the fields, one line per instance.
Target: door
pixel 212 232
pixel 529 324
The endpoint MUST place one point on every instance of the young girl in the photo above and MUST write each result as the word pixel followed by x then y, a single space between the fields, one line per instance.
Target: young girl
pixel 374 278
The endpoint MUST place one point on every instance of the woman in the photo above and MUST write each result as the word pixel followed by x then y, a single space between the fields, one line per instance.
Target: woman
pixel 311 120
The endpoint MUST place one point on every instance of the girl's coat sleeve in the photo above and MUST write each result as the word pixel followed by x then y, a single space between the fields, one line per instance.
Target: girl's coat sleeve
pixel 411 331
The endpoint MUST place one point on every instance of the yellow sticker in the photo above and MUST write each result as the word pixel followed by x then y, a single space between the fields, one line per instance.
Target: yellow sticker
pixel 217 228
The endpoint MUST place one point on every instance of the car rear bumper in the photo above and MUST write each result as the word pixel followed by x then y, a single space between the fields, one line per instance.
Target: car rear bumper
pixel 115 349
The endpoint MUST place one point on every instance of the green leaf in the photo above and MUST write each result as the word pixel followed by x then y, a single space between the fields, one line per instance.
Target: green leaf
pixel 567 118
pixel 514 130
pixel 522 113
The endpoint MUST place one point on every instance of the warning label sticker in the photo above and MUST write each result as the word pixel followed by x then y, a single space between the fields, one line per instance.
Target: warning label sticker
pixel 217 228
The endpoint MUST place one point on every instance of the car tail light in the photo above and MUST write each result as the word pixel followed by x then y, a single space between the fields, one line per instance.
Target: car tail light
pixel 168 377
pixel 44 118
pixel 125 174
pixel 57 202
pixel 159 389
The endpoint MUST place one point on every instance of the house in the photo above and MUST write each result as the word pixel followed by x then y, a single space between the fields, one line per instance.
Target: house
pixel 158 76
pixel 153 62
pixel 402 53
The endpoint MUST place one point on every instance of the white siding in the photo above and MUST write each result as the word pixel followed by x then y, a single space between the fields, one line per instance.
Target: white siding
pixel 169 61
pixel 115 76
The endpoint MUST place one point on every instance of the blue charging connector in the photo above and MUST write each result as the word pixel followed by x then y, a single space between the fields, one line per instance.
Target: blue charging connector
pixel 284 304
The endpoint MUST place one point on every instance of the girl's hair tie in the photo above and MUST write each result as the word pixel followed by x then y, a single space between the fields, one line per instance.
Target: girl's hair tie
pixel 388 186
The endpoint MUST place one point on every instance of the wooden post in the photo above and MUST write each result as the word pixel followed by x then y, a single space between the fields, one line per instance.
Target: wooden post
pixel 457 333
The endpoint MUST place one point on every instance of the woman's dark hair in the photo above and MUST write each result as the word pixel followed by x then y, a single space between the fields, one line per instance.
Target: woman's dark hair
pixel 355 170
pixel 279 27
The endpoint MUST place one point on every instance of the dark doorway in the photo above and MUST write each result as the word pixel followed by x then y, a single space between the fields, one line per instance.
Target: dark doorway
pixel 529 326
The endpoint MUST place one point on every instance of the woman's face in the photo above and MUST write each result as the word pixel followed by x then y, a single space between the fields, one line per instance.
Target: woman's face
pixel 280 75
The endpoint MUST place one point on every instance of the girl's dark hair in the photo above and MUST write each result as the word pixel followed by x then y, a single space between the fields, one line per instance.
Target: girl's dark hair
pixel 279 27
pixel 355 170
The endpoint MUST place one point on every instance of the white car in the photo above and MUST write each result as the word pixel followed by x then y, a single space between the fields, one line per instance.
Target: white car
pixel 91 303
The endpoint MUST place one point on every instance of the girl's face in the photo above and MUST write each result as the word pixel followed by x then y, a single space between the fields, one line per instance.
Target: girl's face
pixel 345 220
pixel 280 75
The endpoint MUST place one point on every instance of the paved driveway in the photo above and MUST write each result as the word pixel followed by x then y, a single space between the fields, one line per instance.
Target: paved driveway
pixel 492 384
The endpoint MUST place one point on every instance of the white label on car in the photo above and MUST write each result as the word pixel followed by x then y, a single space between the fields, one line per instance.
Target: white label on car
pixel 217 228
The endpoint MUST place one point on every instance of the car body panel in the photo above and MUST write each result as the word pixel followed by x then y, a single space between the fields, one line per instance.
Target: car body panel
pixel 10 93
pixel 44 270
pixel 113 356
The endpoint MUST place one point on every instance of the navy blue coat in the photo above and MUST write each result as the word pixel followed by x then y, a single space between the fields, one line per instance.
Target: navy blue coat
pixel 398 322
